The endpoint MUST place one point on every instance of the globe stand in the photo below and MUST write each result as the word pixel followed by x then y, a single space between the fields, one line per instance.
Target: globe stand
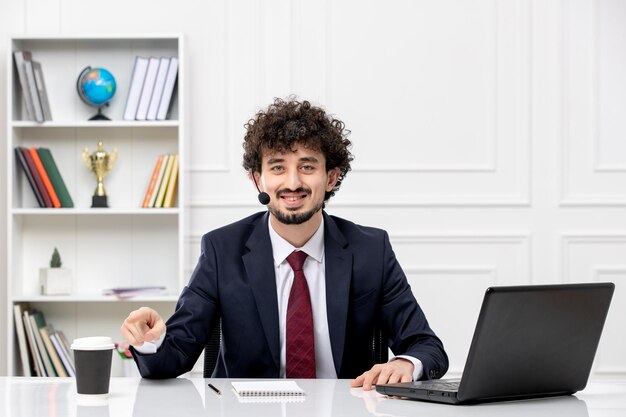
pixel 99 116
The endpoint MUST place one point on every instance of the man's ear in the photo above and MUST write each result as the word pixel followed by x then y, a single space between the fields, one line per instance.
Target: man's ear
pixel 333 177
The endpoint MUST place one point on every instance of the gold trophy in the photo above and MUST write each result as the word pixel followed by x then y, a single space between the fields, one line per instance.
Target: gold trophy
pixel 100 163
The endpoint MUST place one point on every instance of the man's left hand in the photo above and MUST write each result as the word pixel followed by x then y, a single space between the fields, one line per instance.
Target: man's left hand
pixel 399 370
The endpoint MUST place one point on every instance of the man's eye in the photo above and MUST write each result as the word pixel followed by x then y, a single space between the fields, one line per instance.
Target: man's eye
pixel 308 167
pixel 276 168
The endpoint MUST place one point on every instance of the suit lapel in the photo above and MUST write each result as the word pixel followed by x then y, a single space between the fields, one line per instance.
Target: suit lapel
pixel 259 264
pixel 338 278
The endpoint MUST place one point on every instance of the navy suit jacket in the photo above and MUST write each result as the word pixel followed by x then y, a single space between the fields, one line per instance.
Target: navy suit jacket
pixel 235 280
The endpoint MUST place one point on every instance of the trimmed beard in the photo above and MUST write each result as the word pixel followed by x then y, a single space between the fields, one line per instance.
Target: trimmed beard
pixel 295 218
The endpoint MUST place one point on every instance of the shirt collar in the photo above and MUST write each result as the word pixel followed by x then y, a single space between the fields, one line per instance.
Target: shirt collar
pixel 281 249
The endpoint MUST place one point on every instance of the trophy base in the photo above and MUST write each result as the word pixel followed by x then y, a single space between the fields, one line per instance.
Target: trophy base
pixel 99 201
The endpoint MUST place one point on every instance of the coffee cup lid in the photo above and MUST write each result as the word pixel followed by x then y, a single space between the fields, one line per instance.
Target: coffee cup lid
pixel 93 343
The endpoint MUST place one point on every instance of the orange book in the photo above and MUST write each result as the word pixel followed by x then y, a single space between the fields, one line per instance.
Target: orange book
pixel 153 180
pixel 44 177
pixel 171 185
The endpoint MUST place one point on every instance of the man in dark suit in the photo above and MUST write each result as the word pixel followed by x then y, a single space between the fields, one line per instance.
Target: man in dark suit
pixel 299 292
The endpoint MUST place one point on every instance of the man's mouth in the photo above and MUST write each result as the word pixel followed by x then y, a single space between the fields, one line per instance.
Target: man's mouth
pixel 293 198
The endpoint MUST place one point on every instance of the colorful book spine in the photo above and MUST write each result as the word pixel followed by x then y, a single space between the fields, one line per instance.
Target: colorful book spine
pixel 35 173
pixel 164 182
pixel 55 177
pixel 159 181
pixel 171 185
pixel 38 321
pixel 67 362
pixel 152 184
pixel 52 353
pixel 44 177
pixel 20 158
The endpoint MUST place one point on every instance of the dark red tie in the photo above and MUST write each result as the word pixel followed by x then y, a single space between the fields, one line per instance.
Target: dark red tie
pixel 300 339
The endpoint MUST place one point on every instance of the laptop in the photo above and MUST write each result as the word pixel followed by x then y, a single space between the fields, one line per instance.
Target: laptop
pixel 530 341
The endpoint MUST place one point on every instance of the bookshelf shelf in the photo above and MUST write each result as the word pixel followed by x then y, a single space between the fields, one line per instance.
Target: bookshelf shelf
pixel 96 212
pixel 102 124
pixel 120 246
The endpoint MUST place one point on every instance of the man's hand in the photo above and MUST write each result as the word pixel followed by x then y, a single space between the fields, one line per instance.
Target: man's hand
pixel 142 325
pixel 399 370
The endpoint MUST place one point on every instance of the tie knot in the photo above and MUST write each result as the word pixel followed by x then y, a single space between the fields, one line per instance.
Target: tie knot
pixel 296 260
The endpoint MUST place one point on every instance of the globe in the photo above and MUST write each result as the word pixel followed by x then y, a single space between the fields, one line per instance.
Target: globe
pixel 96 87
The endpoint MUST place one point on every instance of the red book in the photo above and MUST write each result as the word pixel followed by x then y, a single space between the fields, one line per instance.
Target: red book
pixel 35 173
pixel 44 177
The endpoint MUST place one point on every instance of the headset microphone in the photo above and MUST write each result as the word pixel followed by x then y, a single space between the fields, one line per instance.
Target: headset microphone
pixel 264 198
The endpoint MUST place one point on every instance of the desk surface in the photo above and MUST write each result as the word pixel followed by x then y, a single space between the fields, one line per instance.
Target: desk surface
pixel 32 397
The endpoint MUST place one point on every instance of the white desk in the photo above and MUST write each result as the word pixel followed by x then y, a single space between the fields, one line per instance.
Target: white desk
pixel 55 397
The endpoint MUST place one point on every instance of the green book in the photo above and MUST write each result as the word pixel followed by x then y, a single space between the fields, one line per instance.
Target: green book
pixel 55 177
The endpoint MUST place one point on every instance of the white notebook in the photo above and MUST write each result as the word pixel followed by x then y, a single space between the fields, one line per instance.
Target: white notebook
pixel 267 388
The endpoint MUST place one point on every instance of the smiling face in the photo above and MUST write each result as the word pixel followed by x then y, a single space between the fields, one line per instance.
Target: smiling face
pixel 297 182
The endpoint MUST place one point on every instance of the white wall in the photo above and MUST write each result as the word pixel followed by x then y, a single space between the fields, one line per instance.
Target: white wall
pixel 488 134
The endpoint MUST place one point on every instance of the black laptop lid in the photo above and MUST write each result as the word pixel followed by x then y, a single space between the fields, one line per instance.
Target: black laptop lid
pixel 535 340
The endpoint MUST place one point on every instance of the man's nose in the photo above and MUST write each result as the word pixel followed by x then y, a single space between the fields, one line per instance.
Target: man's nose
pixel 293 180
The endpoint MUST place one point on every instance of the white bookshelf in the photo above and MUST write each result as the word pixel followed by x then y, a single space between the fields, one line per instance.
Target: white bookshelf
pixel 123 245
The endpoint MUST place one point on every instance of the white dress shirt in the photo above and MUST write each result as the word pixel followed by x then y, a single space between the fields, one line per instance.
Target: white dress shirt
pixel 315 272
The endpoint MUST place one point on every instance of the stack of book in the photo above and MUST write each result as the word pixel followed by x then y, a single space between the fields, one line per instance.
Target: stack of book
pixel 43 350
pixel 130 292
pixel 151 88
pixel 33 86
pixel 44 177
pixel 161 191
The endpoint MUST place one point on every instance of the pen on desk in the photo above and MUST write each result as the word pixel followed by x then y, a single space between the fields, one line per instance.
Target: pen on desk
pixel 215 389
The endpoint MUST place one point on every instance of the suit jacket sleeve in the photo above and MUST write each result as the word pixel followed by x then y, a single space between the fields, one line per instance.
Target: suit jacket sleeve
pixel 407 327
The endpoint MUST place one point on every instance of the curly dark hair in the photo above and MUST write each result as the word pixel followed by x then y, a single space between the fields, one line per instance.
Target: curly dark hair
pixel 286 123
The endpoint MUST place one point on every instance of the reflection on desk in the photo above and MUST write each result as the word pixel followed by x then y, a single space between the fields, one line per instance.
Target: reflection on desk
pixel 32 397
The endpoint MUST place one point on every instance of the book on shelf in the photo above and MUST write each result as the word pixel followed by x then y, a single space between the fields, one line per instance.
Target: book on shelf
pixel 18 58
pixel 44 177
pixel 22 343
pixel 32 85
pixel 33 185
pixel 38 321
pixel 49 351
pixel 129 292
pixel 41 91
pixel 148 88
pixel 55 177
pixel 136 85
pixel 52 353
pixel 163 186
pixel 62 352
pixel 171 185
pixel 159 84
pixel 152 182
pixel 36 176
pixel 158 181
pixel 168 89
pixel 32 344
pixel 65 345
